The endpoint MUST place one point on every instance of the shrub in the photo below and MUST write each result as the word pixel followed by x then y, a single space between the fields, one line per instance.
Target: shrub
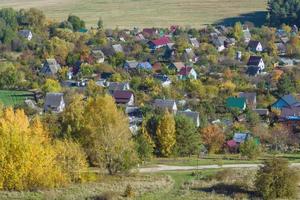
pixel 250 149
pixel 129 191
pixel 276 180
pixel 224 175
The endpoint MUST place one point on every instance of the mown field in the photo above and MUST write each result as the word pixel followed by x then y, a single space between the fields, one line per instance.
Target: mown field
pixel 148 13
pixel 13 98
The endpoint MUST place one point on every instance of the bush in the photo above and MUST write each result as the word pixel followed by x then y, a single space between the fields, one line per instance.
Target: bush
pixel 250 149
pixel 129 191
pixel 276 180
pixel 224 175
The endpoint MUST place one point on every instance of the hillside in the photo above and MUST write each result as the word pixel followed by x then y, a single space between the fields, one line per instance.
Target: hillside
pixel 143 13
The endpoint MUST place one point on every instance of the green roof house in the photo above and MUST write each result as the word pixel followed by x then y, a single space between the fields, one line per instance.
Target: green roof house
pixel 236 102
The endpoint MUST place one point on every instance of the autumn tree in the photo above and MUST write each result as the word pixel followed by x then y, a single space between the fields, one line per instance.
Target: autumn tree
pixel 213 137
pixel 144 143
pixel 238 31
pixel 106 136
pixel 51 85
pixel 166 133
pixel 26 154
pixel 276 180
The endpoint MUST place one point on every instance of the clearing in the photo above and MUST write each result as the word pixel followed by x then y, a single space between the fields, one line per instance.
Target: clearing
pixel 148 13
pixel 13 97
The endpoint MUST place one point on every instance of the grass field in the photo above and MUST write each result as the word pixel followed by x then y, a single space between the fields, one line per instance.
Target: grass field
pixel 146 13
pixel 218 159
pixel 12 98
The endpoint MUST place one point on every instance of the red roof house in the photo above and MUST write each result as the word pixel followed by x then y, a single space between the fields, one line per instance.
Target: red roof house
pixel 124 97
pixel 160 42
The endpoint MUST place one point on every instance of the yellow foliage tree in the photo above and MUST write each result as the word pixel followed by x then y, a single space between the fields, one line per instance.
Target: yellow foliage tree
pixel 27 158
pixel 106 135
pixel 51 85
pixel 166 133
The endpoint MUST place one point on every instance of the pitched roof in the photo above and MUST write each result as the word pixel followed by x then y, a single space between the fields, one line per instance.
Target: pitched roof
pixel 185 71
pixel 235 102
pixel 247 34
pixel 117 48
pixel 190 114
pixel 50 67
pixel 161 41
pixel 157 66
pixel 25 33
pixel 261 111
pixel 179 65
pixel 112 86
pixel 240 137
pixel 161 77
pixel 253 44
pixel 150 31
pixel 290 113
pixel 249 96
pixel 53 100
pixel 145 65
pixel 254 60
pixel 289 99
pixel 122 96
pixel 194 42
pixel 131 64
pixel 164 104
pixel 252 70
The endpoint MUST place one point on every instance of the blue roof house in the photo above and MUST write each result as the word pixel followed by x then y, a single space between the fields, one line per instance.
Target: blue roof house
pixel 144 65
pixel 285 101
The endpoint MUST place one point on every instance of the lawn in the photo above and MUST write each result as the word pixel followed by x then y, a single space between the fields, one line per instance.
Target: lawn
pixel 218 159
pixel 148 13
pixel 13 98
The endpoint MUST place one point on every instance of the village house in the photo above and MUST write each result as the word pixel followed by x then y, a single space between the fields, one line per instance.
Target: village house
pixel 158 43
pixel 250 98
pixel 117 48
pixel 27 34
pixel 246 35
pixel 189 56
pixel 113 86
pixel 177 66
pixel 255 46
pixel 285 101
pixel 124 97
pixel 50 67
pixel 164 79
pixel 194 42
pixel 163 104
pixel 236 103
pixel 98 55
pixel 219 42
pixel 130 64
pixel 255 65
pixel 194 116
pixel 187 73
pixel 54 102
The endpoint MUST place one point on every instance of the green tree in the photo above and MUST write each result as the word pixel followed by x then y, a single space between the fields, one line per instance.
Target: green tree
pixel 285 85
pixel 76 22
pixel 145 145
pixel 275 179
pixel 250 149
pixel 187 136
pixel 166 133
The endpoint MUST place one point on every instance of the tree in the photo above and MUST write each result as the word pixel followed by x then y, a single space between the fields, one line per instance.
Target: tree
pixel 93 90
pixel 187 137
pixel 51 85
pixel 275 179
pixel 285 85
pixel 145 145
pixel 100 23
pixel 166 133
pixel 106 136
pixel 26 154
pixel 76 22
pixel 238 31
pixel 286 12
pixel 213 137
pixel 73 116
pixel 250 149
